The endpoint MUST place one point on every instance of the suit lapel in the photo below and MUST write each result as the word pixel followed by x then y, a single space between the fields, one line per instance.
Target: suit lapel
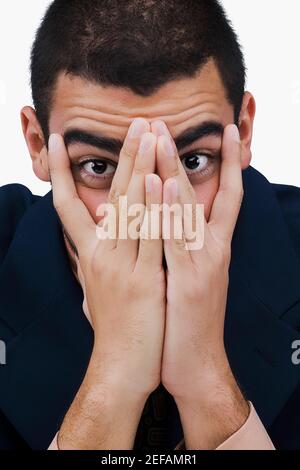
pixel 264 285
pixel 41 302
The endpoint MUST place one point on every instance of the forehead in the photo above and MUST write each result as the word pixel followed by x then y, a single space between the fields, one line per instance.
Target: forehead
pixel 78 103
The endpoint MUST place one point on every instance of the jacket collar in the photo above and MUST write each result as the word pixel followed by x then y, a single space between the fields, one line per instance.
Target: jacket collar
pixel 264 287
pixel 262 247
pixel 41 302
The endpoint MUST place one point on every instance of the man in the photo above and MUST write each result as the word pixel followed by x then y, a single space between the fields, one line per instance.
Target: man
pixel 140 343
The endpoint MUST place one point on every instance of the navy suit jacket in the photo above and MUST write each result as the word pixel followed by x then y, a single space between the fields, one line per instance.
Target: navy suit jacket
pixel 49 340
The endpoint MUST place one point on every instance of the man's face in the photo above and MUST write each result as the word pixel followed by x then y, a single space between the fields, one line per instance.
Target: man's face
pixel 95 120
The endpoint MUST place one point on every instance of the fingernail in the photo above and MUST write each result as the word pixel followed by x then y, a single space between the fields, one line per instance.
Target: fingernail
pixel 168 147
pixel 137 129
pixel 149 183
pixel 54 142
pixel 161 128
pixel 146 143
pixel 234 133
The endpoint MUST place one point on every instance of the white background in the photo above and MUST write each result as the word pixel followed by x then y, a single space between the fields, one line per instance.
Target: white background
pixel 270 34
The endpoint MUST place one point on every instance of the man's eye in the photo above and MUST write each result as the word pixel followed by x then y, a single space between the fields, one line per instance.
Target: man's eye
pixel 98 168
pixel 196 163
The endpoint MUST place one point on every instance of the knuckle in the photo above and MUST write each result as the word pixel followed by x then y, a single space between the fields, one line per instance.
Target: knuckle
pixel 180 243
pixel 114 195
pixel 144 244
pixel 139 170
pixel 60 206
pixel 226 256
pixel 224 259
pixel 192 289
pixel 237 195
pixel 174 172
pixel 84 258
pixel 63 204
pixel 97 264
pixel 212 270
pixel 94 266
pixel 241 195
pixel 128 153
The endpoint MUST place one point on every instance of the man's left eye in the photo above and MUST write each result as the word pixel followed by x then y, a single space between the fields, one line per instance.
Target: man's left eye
pixel 195 162
pixel 98 167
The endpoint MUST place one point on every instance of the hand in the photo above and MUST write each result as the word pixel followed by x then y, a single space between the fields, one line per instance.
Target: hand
pixel 195 368
pixel 124 284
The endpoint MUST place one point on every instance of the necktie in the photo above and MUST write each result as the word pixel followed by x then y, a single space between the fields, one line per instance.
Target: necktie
pixel 159 426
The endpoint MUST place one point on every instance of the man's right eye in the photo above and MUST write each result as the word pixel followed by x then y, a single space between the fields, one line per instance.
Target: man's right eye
pixel 94 172
pixel 98 167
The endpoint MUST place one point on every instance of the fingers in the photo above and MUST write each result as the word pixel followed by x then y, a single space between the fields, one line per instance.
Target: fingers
pixel 175 247
pixel 228 200
pixel 73 214
pixel 144 164
pixel 169 164
pixel 151 246
pixel 127 159
pixel 124 171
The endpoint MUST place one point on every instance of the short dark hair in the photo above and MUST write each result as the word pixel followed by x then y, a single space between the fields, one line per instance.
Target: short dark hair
pixel 136 44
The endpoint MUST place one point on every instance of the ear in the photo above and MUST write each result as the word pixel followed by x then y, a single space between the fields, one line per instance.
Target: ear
pixel 35 142
pixel 246 121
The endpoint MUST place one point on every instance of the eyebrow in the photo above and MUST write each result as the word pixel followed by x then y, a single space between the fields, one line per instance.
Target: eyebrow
pixel 110 144
pixel 206 129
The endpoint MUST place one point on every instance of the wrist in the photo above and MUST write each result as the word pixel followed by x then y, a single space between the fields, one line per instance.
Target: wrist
pixel 110 384
pixel 100 418
pixel 104 415
pixel 203 382
pixel 119 372
pixel 214 413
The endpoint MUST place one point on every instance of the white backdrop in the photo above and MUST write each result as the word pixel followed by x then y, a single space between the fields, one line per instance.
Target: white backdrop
pixel 270 34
